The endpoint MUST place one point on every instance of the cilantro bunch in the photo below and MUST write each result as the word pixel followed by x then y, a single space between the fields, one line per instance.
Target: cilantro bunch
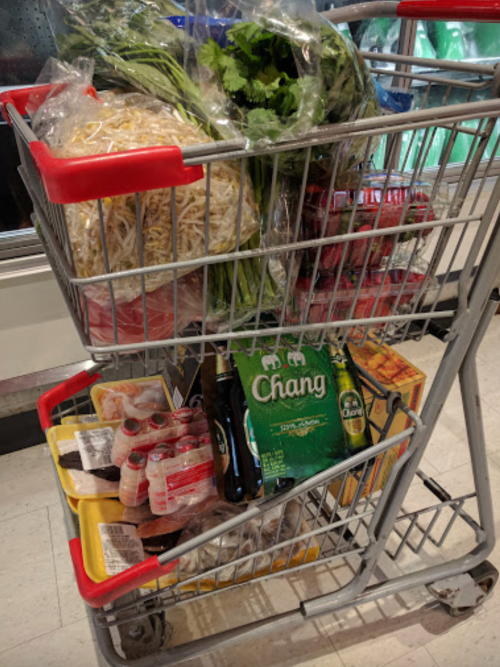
pixel 258 71
pixel 282 87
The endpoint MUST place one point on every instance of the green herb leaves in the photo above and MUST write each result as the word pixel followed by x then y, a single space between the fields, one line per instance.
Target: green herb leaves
pixel 257 69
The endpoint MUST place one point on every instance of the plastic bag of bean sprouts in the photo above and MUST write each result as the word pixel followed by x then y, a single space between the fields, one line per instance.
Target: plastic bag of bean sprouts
pixel 75 124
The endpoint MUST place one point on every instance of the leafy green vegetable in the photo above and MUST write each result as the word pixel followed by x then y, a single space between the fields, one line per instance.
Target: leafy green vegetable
pixel 134 44
pixel 258 71
pixel 248 280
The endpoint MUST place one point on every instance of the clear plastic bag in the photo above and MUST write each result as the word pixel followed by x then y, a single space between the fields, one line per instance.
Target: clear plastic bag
pixel 256 273
pixel 133 43
pixel 55 118
pixel 399 198
pixel 285 70
pixel 255 535
pixel 384 291
pixel 284 67
pixel 120 122
pixel 130 316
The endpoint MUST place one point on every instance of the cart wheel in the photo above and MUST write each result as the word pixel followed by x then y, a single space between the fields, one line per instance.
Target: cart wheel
pixel 485 576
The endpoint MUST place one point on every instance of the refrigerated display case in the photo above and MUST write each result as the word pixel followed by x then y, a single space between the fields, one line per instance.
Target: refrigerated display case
pixel 31 305
pixel 474 43
pixel 26 42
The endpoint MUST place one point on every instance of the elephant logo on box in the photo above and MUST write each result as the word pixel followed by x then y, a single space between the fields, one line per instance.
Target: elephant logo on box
pixel 270 361
pixel 296 359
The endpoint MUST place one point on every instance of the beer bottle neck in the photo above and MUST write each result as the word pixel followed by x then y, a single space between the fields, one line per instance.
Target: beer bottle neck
pixel 339 360
pixel 223 368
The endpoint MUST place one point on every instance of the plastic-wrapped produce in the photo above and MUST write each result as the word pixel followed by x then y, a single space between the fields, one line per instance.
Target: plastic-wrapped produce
pixel 284 67
pixel 254 273
pixel 130 317
pixel 285 70
pixel 76 125
pixel 383 291
pixel 133 44
pixel 242 541
pixel 381 202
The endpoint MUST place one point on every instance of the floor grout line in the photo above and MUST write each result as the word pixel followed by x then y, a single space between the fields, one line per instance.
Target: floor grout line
pixel 54 565
pixel 44 634
pixel 36 509
pixel 325 632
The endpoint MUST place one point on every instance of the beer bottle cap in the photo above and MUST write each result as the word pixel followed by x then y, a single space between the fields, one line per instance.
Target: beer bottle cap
pixel 183 415
pixel 131 426
pixel 158 420
pixel 136 461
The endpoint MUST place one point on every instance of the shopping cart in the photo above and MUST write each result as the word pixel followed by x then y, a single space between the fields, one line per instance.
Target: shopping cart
pixel 372 524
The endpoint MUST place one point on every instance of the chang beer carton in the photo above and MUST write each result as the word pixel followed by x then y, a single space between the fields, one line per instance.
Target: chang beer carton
pixel 295 413
pixel 396 374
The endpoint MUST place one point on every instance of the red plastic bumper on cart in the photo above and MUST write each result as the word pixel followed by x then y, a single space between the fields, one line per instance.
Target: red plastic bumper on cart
pixel 72 180
pixel 482 11
pixel 98 595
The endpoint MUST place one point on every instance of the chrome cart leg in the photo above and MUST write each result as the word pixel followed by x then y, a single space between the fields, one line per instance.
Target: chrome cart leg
pixel 471 400
pixel 464 592
pixel 474 324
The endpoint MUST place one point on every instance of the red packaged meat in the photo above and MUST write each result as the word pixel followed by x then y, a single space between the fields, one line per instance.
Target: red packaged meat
pixel 381 293
pixel 130 315
pixel 393 205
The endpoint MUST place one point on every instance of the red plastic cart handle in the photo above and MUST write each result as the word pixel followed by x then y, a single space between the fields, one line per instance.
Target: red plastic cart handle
pixel 71 180
pixel 97 595
pixel 48 401
pixel 68 181
pixel 483 11
pixel 19 97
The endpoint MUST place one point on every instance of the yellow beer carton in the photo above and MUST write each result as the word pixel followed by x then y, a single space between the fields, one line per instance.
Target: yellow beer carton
pixel 396 374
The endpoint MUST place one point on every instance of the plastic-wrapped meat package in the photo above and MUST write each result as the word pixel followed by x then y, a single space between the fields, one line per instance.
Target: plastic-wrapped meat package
pixel 138 398
pixel 85 483
pixel 160 312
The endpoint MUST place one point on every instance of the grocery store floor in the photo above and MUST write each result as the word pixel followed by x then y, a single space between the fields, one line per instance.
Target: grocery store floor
pixel 43 621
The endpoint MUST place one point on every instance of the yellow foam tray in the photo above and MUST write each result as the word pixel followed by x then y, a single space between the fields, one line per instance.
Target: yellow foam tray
pixel 98 390
pixel 77 419
pixel 67 432
pixel 73 504
pixel 93 512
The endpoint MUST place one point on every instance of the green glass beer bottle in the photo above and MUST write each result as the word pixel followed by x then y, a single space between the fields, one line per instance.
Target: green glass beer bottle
pixel 249 454
pixel 234 489
pixel 351 404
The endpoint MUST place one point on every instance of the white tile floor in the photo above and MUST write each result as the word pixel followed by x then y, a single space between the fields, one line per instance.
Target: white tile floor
pixel 43 621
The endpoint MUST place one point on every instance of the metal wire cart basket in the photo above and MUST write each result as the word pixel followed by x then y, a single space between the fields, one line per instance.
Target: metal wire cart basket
pixel 129 619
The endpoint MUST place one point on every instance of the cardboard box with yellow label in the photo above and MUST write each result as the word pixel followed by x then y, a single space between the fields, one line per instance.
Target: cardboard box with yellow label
pixel 396 374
